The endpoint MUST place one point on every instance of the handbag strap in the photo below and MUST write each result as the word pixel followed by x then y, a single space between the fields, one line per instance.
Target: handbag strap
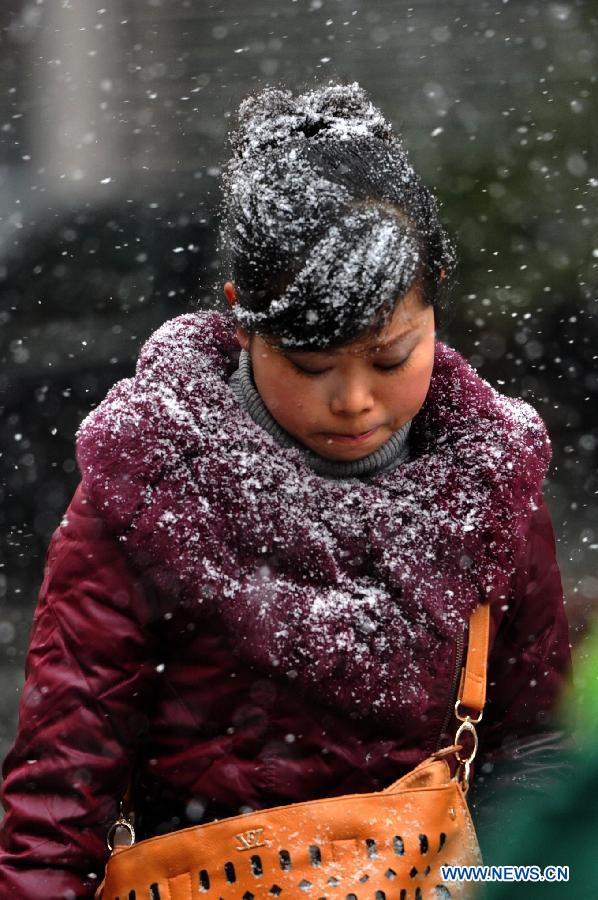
pixel 471 698
pixel 472 688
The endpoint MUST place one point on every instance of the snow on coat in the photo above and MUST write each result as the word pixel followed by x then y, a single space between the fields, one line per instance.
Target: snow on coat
pixel 239 632
pixel 345 586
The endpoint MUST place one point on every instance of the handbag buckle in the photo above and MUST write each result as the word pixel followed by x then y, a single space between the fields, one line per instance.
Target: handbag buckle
pixel 464 761
pixel 466 717
pixel 114 837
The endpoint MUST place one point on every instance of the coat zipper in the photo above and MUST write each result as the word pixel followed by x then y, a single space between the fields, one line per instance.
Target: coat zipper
pixel 454 685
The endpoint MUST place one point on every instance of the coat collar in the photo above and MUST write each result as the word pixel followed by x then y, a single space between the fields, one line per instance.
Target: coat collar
pixel 328 580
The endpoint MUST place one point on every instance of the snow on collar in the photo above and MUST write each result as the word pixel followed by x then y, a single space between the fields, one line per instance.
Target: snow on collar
pixel 345 585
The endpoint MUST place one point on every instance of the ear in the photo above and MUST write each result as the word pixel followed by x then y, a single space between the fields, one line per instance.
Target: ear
pixel 243 338
pixel 230 293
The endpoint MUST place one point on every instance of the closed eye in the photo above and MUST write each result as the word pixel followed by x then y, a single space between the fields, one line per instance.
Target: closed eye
pixel 382 367
pixel 305 371
pixel 392 367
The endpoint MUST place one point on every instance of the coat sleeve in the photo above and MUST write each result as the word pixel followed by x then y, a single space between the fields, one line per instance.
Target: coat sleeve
pixel 88 690
pixel 523 740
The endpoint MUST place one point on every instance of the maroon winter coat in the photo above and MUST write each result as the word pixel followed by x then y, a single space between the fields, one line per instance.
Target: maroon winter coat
pixel 238 632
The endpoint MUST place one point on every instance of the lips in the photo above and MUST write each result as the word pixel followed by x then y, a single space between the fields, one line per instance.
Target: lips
pixel 351 438
pixel 358 435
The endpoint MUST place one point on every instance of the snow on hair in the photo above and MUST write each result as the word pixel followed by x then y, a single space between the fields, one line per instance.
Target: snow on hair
pixel 326 223
pixel 275 116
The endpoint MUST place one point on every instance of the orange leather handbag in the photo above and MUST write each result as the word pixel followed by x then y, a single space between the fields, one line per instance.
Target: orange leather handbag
pixel 387 845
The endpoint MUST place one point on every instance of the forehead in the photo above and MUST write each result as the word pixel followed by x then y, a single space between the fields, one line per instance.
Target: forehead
pixel 399 326
pixel 408 315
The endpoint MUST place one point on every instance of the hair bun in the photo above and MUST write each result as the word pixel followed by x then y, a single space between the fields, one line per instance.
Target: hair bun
pixel 349 105
pixel 273 117
pixel 264 119
pixel 270 103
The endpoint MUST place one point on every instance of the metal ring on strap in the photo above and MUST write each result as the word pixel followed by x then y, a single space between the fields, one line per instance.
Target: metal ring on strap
pixel 467 726
pixel 121 822
pixel 467 717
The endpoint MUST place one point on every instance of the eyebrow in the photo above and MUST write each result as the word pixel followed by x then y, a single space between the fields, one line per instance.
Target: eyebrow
pixel 386 345
pixel 382 345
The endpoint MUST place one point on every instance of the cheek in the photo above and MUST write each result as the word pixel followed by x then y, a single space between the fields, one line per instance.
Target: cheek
pixel 420 391
pixel 420 383
pixel 421 373
pixel 272 395
pixel 286 395
pixel 299 395
pixel 408 394
pixel 303 404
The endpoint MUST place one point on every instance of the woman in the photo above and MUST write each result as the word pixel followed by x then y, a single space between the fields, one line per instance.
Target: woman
pixel 260 591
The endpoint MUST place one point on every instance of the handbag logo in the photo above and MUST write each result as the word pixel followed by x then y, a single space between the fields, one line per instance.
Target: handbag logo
pixel 250 839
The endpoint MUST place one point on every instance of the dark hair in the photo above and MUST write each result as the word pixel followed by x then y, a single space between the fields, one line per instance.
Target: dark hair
pixel 326 224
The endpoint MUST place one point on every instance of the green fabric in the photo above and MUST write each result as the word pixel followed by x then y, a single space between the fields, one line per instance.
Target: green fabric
pixel 561 826
pixel 585 699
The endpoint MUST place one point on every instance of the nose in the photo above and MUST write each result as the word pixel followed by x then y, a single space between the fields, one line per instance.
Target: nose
pixel 351 396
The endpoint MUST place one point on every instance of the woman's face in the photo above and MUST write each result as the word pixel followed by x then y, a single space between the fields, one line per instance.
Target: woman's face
pixel 345 403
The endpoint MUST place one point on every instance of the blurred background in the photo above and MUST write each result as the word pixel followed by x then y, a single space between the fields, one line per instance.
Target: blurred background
pixel 112 127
